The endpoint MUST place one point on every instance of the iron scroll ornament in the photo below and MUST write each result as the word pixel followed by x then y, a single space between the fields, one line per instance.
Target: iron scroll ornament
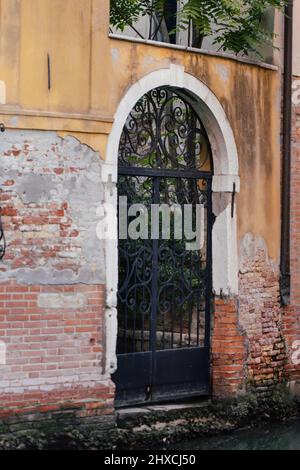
pixel 2 237
pixel 164 132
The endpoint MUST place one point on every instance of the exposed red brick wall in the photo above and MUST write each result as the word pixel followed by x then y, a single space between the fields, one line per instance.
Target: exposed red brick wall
pixel 260 315
pixel 54 356
pixel 248 344
pixel 291 325
pixel 228 350
pixel 295 210
pixel 82 401
pixel 52 278
pixel 39 234
pixel 291 314
pixel 54 330
pixel 50 191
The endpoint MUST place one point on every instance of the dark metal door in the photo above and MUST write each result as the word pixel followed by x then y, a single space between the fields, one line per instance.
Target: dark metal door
pixel 165 288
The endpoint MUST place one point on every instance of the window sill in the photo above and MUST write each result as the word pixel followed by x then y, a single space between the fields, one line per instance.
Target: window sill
pixel 224 55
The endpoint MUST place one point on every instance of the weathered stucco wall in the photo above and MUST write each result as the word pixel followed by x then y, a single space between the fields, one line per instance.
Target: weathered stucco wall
pixel 65 96
pixel 52 281
pixel 91 73
pixel 61 81
pixel 51 190
pixel 250 96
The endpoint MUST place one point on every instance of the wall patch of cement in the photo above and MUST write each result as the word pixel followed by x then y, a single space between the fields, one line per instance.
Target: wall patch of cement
pixel 62 301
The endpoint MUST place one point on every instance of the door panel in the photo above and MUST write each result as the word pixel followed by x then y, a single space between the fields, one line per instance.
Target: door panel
pixel 181 373
pixel 164 297
pixel 133 378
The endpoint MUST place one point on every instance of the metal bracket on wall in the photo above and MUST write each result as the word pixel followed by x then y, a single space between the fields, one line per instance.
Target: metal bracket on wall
pixel 2 237
pixel 49 71
pixel 233 200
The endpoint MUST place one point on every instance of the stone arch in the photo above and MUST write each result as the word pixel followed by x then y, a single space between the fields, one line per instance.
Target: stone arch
pixel 225 182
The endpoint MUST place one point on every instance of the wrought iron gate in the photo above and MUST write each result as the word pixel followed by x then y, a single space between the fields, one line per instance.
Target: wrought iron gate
pixel 164 295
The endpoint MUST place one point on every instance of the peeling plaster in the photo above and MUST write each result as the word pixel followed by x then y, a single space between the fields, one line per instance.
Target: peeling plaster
pixel 38 154
pixel 95 142
pixel 62 301
pixel 250 245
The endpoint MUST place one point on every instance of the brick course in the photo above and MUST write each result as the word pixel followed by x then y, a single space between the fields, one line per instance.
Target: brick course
pixel 260 316
pixel 249 352
pixel 53 357
pixel 228 350
pixel 291 314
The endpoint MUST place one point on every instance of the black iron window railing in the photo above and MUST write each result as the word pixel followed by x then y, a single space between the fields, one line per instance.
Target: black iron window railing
pixel 162 27
pixel 226 27
pixel 2 237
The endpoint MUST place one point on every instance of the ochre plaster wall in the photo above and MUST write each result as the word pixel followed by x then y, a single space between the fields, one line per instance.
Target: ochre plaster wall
pixel 91 72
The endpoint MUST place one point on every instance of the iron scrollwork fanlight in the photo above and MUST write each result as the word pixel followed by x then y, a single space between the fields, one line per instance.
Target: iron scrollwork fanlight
pixel 2 237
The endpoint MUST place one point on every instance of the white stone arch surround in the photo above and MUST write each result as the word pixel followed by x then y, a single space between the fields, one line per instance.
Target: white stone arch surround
pixel 225 181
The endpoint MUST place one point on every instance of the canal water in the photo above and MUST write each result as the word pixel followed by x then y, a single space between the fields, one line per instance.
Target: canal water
pixel 272 437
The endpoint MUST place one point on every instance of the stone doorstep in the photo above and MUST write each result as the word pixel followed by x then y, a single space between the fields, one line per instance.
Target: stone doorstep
pixel 123 414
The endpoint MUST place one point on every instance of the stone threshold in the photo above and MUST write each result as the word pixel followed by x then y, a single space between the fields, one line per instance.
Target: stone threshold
pixel 174 407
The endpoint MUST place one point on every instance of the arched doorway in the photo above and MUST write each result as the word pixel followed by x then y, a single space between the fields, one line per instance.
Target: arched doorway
pixel 165 251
